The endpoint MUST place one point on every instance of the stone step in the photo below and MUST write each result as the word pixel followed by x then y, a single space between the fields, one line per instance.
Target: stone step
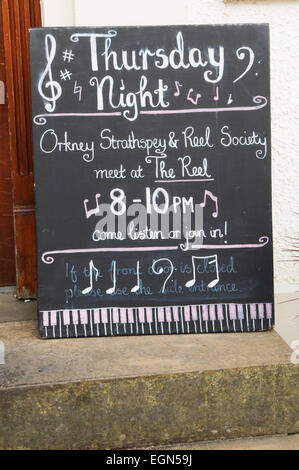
pixel 124 392
pixel 285 442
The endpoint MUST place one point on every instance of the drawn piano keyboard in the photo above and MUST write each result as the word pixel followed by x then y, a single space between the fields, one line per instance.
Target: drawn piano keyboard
pixel 114 321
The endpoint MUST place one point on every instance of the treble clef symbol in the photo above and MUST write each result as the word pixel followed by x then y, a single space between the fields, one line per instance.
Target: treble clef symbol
pixel 55 88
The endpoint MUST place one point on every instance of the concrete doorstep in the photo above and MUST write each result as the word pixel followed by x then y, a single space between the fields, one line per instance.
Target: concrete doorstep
pixel 288 442
pixel 125 392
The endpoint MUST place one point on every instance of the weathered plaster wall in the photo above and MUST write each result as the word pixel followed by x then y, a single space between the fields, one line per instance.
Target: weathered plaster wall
pixel 283 17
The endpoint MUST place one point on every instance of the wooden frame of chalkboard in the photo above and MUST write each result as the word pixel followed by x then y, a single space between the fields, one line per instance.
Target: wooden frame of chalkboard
pixel 152 161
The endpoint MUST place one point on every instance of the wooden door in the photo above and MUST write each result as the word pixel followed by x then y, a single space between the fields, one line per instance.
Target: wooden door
pixel 17 17
pixel 7 251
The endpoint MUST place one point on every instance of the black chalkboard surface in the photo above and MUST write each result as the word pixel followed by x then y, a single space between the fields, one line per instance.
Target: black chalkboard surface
pixel 152 162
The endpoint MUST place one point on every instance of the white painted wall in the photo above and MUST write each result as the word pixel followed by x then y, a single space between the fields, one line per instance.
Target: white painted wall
pixel 58 12
pixel 283 16
pixel 130 12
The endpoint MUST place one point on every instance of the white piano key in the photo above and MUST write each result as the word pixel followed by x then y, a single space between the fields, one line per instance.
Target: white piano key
pixel 96 318
pixel 168 318
pixel 115 318
pixel 131 318
pixel 220 315
pixel 253 314
pixel 194 316
pixel 205 315
pixel 212 315
pixel 187 316
pixel 160 314
pixel 269 313
pixel 75 321
pixel 141 316
pixel 84 319
pixel 175 313
pixel 240 315
pixel 123 318
pixel 53 321
pixel 233 315
pixel 149 318
pixel 46 319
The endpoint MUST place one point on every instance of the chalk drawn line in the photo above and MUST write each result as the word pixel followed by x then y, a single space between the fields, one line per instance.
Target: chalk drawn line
pixel 189 180
pixel 260 102
pixel 41 119
pixel 263 241
pixel 47 257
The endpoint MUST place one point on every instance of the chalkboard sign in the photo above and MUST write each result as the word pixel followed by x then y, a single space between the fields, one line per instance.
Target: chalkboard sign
pixel 152 179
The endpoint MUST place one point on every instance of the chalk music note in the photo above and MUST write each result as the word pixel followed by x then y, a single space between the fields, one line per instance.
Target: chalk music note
pixel 230 100
pixel 216 97
pixel 214 198
pixel 178 92
pixel 193 100
pixel 161 270
pixel 241 54
pixel 111 290
pixel 78 90
pixel 214 260
pixel 52 85
pixel 92 269
pixel 137 286
pixel 91 212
